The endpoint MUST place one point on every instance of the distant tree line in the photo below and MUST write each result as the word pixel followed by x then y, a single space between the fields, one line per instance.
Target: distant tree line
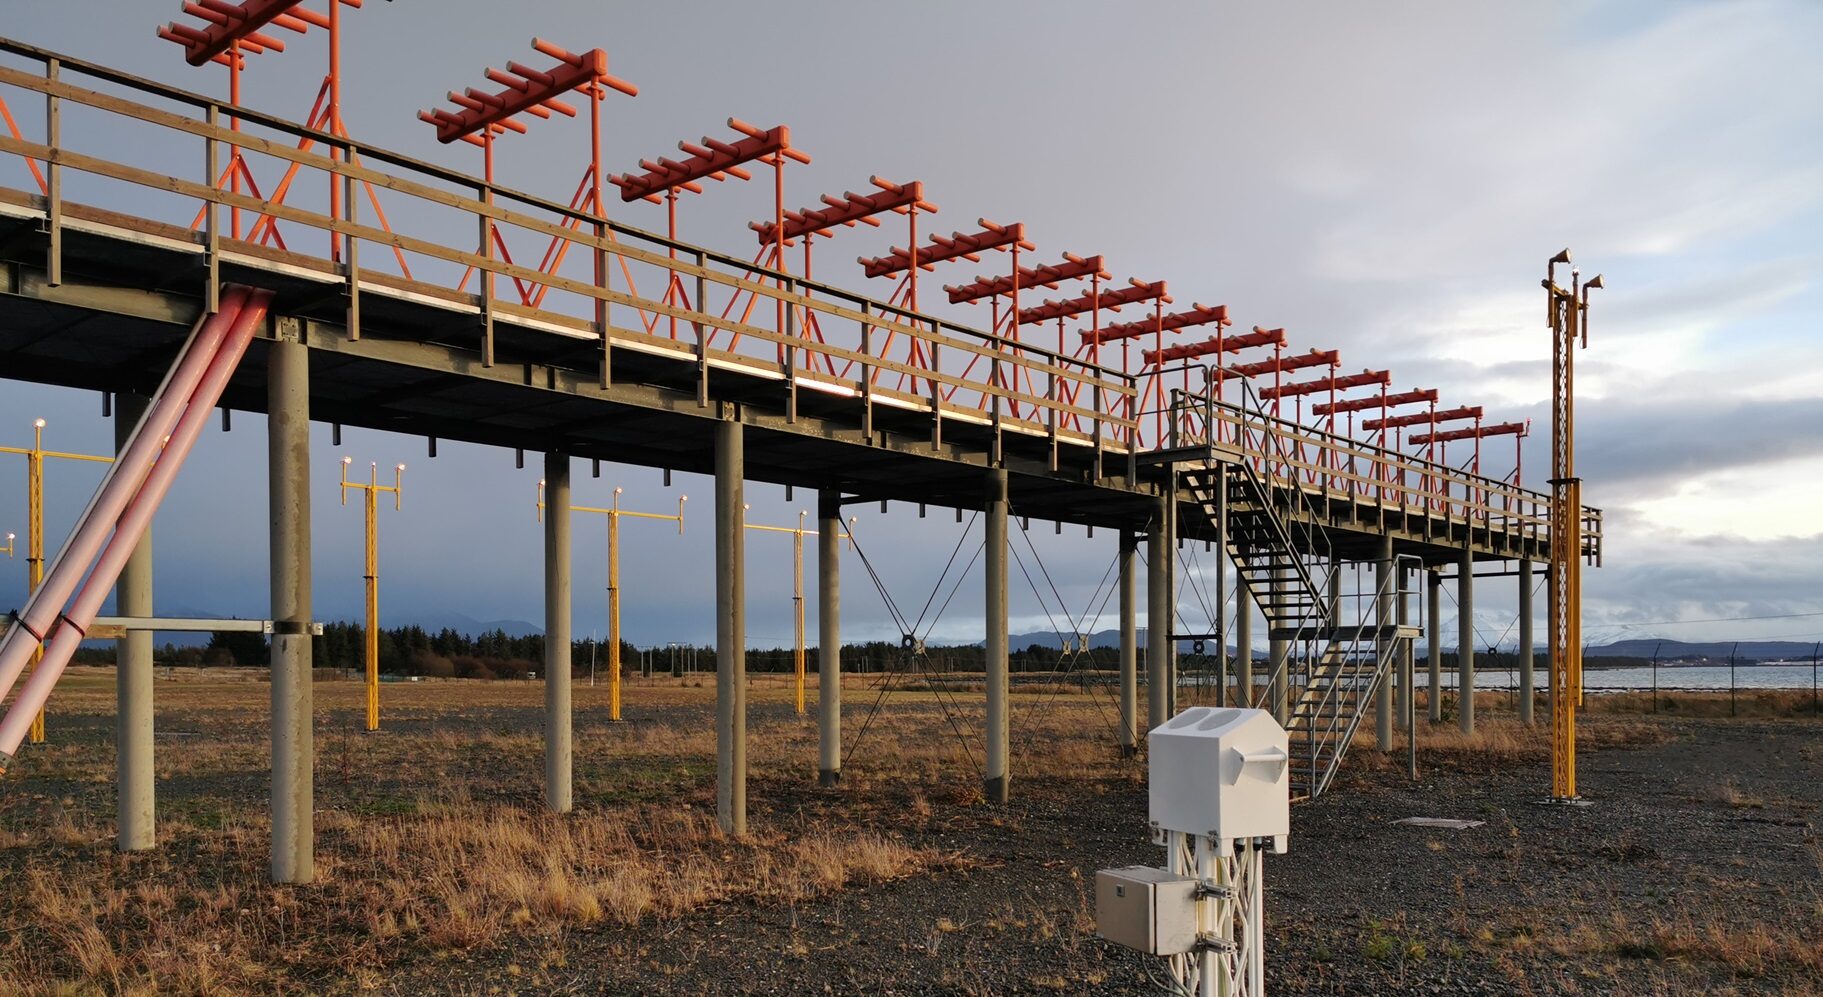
pixel 495 654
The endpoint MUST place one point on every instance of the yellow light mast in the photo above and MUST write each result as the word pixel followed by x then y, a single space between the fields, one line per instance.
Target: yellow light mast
pixel 1568 312
pixel 614 512
pixel 371 490
pixel 34 528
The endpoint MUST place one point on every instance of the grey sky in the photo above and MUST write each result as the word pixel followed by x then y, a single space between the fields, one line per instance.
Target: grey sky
pixel 1386 180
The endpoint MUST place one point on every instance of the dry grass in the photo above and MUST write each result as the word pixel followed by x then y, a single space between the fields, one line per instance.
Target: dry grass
pixel 445 882
pixel 1499 742
pixel 1730 794
pixel 1746 703
pixel 431 842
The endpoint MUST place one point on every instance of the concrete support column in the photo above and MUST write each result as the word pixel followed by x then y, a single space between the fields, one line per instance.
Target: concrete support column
pixel 730 629
pixel 1278 655
pixel 1384 594
pixel 136 826
pixel 558 750
pixel 1128 558
pixel 999 716
pixel 1434 610
pixel 1528 689
pixel 1465 641
pixel 288 497
pixel 829 637
pixel 1159 602
pixel 1243 640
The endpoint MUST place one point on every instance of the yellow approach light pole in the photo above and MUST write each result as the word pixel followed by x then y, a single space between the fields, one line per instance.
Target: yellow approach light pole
pixel 34 527
pixel 9 545
pixel 797 594
pixel 614 512
pixel 1568 313
pixel 371 490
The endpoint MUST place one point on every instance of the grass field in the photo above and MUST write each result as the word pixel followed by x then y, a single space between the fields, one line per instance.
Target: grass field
pixel 437 862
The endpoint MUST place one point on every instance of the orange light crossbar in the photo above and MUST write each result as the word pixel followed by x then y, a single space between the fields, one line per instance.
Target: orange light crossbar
pixel 713 159
pixel 1195 315
pixel 528 91
pixel 1424 418
pixel 1216 344
pixel 1049 275
pixel 1111 300
pixel 236 27
pixel 958 246
pixel 1315 358
pixel 1376 401
pixel 847 210
pixel 1331 383
pixel 1472 433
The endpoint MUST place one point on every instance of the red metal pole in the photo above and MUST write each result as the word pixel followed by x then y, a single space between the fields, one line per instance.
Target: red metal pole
pixel 778 240
pixel 234 124
pixel 671 230
pixel 598 94
pixel 334 112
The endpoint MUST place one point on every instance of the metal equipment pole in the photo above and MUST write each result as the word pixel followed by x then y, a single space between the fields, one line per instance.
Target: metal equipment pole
pixel 614 608
pixel 730 630
pixel 829 638
pixel 1243 641
pixel 371 568
pixel 999 717
pixel 557 714
pixel 1158 617
pixel 288 495
pixel 136 818
pixel 1528 680
pixel 797 611
pixel 1435 631
pixel 1383 618
pixel 1278 656
pixel 1465 641
pixel 1408 703
pixel 1129 645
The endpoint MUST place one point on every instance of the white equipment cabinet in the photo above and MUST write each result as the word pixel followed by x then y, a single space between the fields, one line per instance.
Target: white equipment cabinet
pixel 1220 795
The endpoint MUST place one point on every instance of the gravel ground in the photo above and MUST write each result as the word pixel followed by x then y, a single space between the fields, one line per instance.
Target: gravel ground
pixel 1694 870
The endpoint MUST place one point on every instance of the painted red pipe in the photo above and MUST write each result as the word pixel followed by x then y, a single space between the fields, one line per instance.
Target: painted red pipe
pixel 120 483
pixel 132 526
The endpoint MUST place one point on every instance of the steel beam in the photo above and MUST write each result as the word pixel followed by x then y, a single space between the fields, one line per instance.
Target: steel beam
pixel 558 748
pixel 829 637
pixel 999 718
pixel 136 827
pixel 730 630
pixel 288 496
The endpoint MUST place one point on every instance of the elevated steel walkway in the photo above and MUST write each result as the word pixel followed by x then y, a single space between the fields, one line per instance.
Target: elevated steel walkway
pixel 420 326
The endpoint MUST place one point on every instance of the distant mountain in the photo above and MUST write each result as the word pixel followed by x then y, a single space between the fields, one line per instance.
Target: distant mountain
pixel 1671 650
pixel 466 624
pixel 1667 650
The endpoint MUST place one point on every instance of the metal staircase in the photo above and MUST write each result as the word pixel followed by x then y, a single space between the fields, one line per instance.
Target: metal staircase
pixel 1332 669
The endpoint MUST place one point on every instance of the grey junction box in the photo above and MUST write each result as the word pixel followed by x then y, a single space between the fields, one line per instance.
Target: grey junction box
pixel 1150 910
